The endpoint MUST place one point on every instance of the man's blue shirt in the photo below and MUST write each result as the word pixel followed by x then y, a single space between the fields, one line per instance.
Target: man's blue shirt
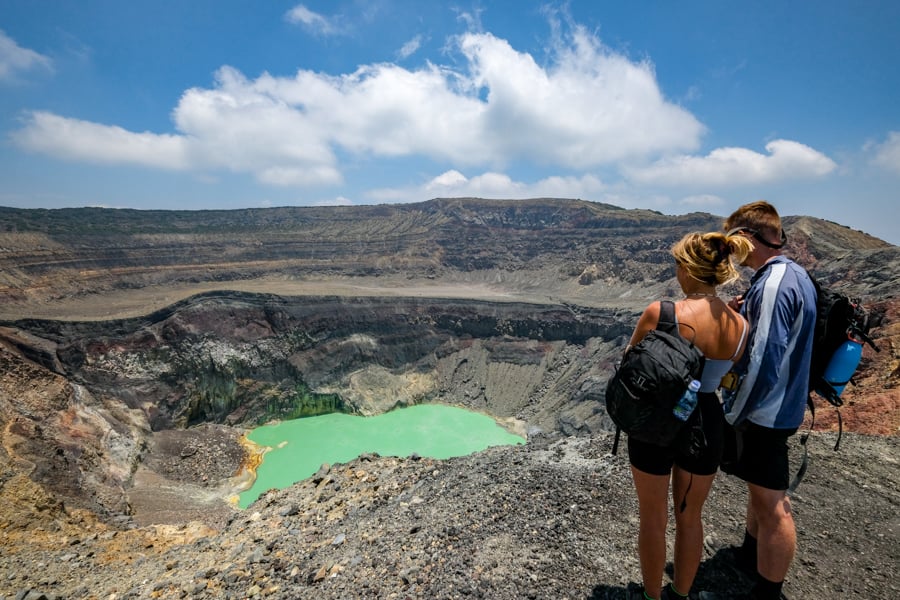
pixel 781 308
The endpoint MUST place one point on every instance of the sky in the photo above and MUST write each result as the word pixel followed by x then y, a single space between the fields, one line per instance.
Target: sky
pixel 700 105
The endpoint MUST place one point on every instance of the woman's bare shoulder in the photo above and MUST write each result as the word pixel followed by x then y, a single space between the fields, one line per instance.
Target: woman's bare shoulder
pixel 653 310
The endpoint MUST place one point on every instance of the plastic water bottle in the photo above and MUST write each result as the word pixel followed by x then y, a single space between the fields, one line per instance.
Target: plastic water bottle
pixel 687 402
pixel 842 365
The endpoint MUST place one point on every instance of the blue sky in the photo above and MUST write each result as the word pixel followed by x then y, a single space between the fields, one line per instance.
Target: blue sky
pixel 674 106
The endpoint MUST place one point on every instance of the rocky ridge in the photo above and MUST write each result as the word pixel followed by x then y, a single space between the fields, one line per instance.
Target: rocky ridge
pixel 65 262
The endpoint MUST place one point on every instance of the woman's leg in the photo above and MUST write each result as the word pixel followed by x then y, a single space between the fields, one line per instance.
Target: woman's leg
pixel 688 491
pixel 652 493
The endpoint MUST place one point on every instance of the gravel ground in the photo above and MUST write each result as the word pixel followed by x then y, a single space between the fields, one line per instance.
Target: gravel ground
pixel 555 518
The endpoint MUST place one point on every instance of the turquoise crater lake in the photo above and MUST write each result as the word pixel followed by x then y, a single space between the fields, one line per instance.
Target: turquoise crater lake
pixel 297 448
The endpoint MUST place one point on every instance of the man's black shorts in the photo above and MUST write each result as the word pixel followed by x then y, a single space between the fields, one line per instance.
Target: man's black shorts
pixel 758 455
pixel 658 460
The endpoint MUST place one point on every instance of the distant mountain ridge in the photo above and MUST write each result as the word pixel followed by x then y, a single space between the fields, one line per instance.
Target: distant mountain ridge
pixel 529 214
pixel 47 255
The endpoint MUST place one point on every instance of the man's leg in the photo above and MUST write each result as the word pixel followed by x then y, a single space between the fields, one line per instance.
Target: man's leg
pixel 752 525
pixel 770 513
pixel 770 539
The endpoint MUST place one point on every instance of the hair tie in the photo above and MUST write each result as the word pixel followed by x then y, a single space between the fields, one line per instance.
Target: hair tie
pixel 721 249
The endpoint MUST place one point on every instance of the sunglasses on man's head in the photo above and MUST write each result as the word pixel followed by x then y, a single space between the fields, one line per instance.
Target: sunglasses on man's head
pixel 758 237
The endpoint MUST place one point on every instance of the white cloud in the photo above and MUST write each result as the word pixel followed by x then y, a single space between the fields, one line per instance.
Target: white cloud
pixel 448 179
pixel 586 186
pixel 301 177
pixel 492 185
pixel 14 59
pixel 887 155
pixel 231 127
pixel 702 201
pixel 736 166
pixel 247 126
pixel 586 108
pixel 82 140
pixel 471 19
pixel 312 20
pixel 336 201
pixel 410 47
pixel 589 107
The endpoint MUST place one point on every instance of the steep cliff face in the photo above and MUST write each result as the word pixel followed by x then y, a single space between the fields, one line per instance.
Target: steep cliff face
pixel 56 433
pixel 242 359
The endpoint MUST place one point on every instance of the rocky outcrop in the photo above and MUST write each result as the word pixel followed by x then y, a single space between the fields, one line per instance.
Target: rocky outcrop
pixel 59 435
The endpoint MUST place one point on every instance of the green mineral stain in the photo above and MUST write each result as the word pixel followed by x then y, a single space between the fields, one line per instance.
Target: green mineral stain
pixel 297 448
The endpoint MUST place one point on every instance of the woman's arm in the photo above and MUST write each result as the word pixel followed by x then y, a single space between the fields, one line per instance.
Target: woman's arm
pixel 648 321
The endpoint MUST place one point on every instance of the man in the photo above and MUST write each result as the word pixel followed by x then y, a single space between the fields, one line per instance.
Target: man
pixel 768 405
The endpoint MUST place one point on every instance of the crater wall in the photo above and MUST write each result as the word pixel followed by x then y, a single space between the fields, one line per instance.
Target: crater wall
pixel 241 359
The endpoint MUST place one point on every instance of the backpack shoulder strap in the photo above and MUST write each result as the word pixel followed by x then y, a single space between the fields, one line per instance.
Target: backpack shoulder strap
pixel 812 278
pixel 667 319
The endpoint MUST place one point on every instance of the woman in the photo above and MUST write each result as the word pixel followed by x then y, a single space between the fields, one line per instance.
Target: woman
pixel 704 262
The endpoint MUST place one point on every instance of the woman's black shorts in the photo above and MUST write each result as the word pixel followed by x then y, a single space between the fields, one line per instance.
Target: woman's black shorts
pixel 658 460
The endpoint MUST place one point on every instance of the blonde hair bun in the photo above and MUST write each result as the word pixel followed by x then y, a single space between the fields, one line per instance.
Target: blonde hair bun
pixel 711 257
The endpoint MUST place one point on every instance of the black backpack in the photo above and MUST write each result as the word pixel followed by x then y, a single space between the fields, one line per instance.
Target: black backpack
pixel 651 379
pixel 837 317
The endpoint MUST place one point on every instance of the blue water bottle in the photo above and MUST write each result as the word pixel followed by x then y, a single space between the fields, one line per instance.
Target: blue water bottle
pixel 687 402
pixel 842 366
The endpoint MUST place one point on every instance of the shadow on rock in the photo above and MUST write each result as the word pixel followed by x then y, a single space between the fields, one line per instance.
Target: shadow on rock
pixel 719 574
pixel 607 592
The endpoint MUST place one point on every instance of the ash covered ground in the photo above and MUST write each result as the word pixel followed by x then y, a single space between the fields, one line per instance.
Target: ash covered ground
pixel 555 518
